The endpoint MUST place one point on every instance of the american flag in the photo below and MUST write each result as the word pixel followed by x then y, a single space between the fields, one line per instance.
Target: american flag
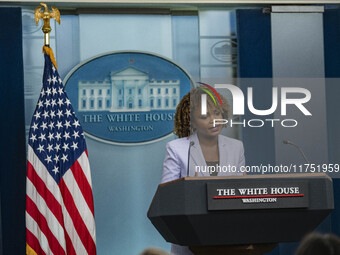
pixel 59 201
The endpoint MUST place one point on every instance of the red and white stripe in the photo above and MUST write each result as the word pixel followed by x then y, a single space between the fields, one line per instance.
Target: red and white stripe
pixel 60 218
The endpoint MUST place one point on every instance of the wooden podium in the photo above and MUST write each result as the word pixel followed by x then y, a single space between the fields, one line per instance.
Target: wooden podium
pixel 240 214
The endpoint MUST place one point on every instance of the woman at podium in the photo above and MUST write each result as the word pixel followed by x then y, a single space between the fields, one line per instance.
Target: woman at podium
pixel 201 150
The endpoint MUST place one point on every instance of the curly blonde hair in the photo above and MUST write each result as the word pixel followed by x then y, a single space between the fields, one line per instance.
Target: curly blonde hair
pixel 192 101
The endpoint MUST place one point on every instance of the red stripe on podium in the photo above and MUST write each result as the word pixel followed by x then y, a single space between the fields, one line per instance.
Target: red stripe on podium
pixel 259 196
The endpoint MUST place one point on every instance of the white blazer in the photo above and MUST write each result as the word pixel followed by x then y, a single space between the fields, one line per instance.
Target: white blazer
pixel 175 164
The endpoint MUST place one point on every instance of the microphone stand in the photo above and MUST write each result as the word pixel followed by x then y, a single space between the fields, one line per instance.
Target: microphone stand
pixel 191 144
pixel 298 147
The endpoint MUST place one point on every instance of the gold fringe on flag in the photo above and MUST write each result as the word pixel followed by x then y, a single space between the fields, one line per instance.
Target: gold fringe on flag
pixel 30 251
pixel 49 52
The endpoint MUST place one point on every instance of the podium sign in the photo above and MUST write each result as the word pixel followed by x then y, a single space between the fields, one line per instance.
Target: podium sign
pixel 257 195
pixel 188 212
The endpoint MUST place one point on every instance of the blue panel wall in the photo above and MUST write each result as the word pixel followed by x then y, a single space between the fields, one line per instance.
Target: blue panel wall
pixel 332 70
pixel 125 178
pixel 254 53
pixel 255 61
pixel 186 48
pixel 12 130
pixel 254 43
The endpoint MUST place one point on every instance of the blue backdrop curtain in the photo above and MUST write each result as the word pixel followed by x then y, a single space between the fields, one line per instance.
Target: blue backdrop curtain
pixel 254 51
pixel 12 130
pixel 255 61
pixel 332 70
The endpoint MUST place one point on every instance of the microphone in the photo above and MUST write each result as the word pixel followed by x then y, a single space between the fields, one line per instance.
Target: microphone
pixel 298 147
pixel 191 144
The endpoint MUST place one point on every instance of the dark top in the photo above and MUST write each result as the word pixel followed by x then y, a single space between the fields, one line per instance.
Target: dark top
pixel 213 167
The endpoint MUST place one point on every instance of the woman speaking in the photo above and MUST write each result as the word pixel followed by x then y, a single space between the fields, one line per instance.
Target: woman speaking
pixel 200 149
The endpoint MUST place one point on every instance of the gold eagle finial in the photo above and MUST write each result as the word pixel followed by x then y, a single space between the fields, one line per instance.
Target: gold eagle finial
pixel 46 15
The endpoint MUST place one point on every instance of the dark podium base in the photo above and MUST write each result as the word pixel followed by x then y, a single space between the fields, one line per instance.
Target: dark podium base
pixel 252 249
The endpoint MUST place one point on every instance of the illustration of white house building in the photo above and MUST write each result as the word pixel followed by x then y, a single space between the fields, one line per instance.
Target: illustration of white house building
pixel 128 90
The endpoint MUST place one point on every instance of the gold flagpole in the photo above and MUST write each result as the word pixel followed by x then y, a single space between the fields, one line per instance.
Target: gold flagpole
pixel 46 15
